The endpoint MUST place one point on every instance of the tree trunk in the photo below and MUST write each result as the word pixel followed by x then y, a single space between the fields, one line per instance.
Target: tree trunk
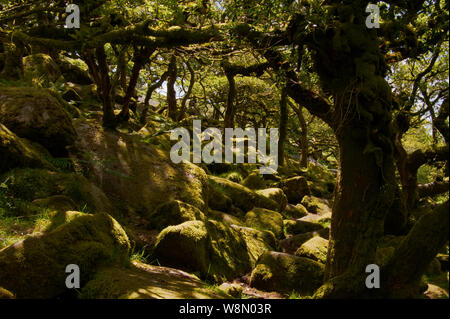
pixel 148 95
pixel 229 112
pixel 109 119
pixel 283 126
pixel 364 194
pixel 171 94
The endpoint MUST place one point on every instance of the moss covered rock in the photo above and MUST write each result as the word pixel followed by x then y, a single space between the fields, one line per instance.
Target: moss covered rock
pixel 295 211
pixel 275 194
pixel 35 267
pixel 315 248
pixel 257 242
pixel 225 218
pixel 294 227
pixel 254 181
pixel 37 115
pixel 292 243
pixel 31 184
pixel 41 68
pixel 18 152
pixel 265 219
pixel 173 213
pixel 217 200
pixel 316 205
pixel 58 203
pixel 295 188
pixel 214 250
pixel 242 197
pixel 138 176
pixel 284 273
pixel 141 281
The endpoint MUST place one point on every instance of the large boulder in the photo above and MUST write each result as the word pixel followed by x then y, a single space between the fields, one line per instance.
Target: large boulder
pixel 292 243
pixel 275 194
pixel 135 174
pixel 316 249
pixel 295 211
pixel 260 218
pixel 286 273
pixel 295 188
pixel 294 227
pixel 316 205
pixel 242 197
pixel 214 250
pixel 39 184
pixel 141 281
pixel 37 115
pixel 217 200
pixel 254 181
pixel 173 213
pixel 18 152
pixel 321 180
pixel 36 266
pixel 5 294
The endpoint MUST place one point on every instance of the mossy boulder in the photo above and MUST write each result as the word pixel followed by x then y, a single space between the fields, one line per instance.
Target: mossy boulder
pixel 31 184
pixel 138 176
pixel 294 227
pixel 214 250
pixel 257 242
pixel 217 200
pixel 58 203
pixel 292 243
pixel 19 152
pixel 225 218
pixel 265 219
pixel 316 205
pixel 5 294
pixel 37 115
pixel 141 281
pixel 254 181
pixel 73 71
pixel 284 273
pixel 295 211
pixel 316 249
pixel 41 68
pixel 242 197
pixel 275 194
pixel 35 267
pixel 173 213
pixel 295 188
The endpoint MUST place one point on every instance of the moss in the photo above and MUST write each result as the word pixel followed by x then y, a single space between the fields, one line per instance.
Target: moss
pixel 31 184
pixel 294 227
pixel 35 267
pixel 321 180
pixel 173 213
pixel 217 200
pixel 297 211
pixel 254 181
pixel 257 241
pixel 225 218
pixel 284 273
pixel 316 249
pixel 233 176
pixel 265 219
pixel 316 205
pixel 37 115
pixel 275 194
pixel 18 152
pixel 141 281
pixel 41 67
pixel 242 197
pixel 216 251
pixel 295 188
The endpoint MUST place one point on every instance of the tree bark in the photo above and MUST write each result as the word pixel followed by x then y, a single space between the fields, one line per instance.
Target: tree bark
pixel 230 110
pixel 283 126
pixel 171 94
